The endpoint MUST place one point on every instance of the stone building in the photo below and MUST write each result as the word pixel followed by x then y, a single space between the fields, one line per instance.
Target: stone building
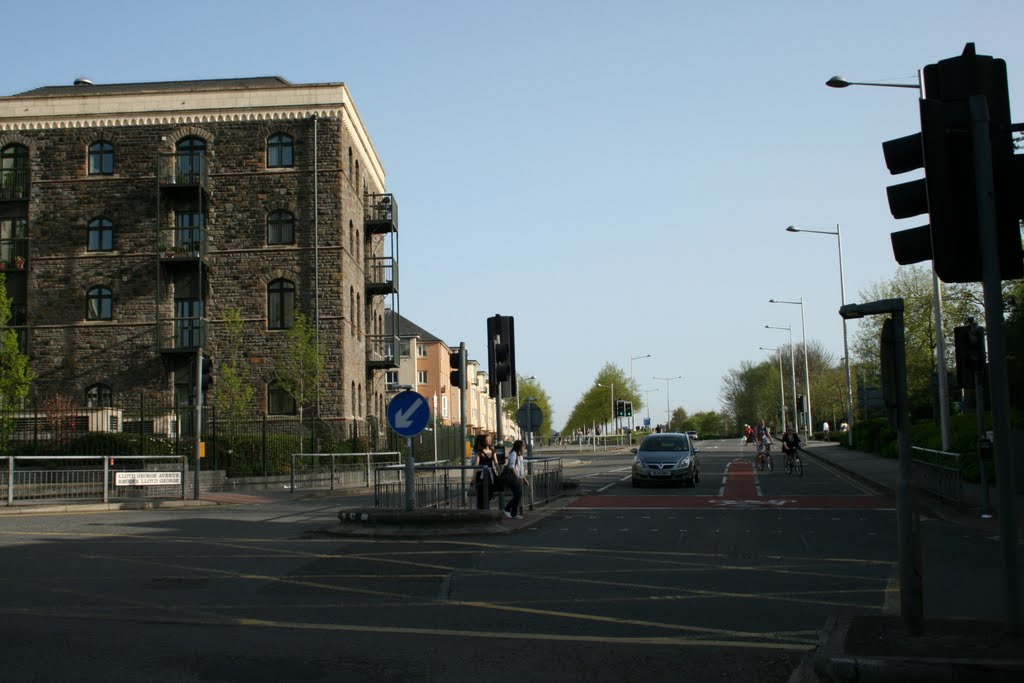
pixel 134 217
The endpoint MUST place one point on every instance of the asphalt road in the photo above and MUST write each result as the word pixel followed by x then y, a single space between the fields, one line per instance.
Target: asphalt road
pixel 731 579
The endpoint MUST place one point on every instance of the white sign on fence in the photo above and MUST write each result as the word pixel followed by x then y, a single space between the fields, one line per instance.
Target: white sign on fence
pixel 147 479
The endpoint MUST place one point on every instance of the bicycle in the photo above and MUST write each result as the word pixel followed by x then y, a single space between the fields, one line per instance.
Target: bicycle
pixel 764 458
pixel 793 462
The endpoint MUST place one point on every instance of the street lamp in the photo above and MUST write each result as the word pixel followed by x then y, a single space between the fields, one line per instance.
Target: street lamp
pixel 517 388
pixel 807 373
pixel 631 359
pixel 648 402
pixel 846 347
pixel 782 387
pixel 668 409
pixel 792 365
pixel 940 345
pixel 612 387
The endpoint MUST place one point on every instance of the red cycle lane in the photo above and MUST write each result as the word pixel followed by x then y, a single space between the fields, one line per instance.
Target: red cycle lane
pixel 739 491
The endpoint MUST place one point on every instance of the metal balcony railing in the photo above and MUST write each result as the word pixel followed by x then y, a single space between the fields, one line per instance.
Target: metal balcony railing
pixel 380 351
pixel 14 253
pixel 180 335
pixel 380 213
pixel 381 275
pixel 182 243
pixel 183 170
pixel 14 183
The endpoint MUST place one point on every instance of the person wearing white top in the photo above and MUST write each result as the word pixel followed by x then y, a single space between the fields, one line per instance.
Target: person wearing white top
pixel 515 464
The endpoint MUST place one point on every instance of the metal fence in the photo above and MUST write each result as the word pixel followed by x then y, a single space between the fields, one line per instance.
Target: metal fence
pixel 939 473
pixel 452 487
pixel 79 478
pixel 338 470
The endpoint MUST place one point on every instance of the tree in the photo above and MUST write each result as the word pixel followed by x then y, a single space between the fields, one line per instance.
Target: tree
pixel 301 366
pixel 914 285
pixel 531 388
pixel 15 375
pixel 233 395
pixel 595 406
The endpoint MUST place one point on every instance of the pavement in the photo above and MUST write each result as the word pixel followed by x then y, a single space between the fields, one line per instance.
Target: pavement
pixel 878 648
pixel 852 648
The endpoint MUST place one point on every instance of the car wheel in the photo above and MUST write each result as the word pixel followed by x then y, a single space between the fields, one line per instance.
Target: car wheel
pixel 696 476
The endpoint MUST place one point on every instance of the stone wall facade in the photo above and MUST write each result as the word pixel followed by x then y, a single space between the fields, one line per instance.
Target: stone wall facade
pixel 68 353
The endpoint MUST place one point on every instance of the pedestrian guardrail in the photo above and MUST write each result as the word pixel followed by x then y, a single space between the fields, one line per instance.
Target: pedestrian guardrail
pixel 939 473
pixel 81 478
pixel 337 470
pixel 453 487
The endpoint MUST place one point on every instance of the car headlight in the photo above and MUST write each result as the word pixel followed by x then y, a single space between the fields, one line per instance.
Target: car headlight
pixel 639 462
pixel 683 462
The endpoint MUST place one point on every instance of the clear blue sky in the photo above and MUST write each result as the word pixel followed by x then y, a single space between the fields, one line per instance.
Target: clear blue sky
pixel 616 175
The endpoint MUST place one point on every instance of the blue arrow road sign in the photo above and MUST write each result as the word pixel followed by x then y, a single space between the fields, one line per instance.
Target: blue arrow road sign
pixel 408 413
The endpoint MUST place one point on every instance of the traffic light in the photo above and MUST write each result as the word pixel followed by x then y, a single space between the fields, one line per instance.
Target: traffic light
pixel 207 373
pixel 888 372
pixel 620 408
pixel 629 409
pixel 501 355
pixel 800 404
pixel 948 193
pixel 969 341
pixel 456 365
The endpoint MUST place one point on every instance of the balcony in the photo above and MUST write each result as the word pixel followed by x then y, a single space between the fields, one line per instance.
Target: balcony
pixel 14 253
pixel 381 275
pixel 380 352
pixel 19 323
pixel 180 335
pixel 380 214
pixel 188 171
pixel 182 245
pixel 14 184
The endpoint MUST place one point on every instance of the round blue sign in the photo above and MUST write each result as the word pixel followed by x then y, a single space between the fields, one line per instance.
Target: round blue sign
pixel 408 413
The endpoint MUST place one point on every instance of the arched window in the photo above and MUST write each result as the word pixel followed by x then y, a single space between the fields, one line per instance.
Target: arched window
pixel 357 174
pixel 280 304
pixel 358 244
pixel 101 158
pixel 279 401
pixel 99 396
pixel 352 310
pixel 351 240
pixel 14 172
pixel 190 152
pixel 359 409
pixel 280 151
pixel 350 162
pixel 359 312
pixel 99 304
pixel 354 404
pixel 100 236
pixel 281 228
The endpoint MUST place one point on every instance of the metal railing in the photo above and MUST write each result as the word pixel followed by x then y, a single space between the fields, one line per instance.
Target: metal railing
pixel 453 487
pixel 14 253
pixel 185 169
pixel 80 478
pixel 14 183
pixel 342 470
pixel 939 473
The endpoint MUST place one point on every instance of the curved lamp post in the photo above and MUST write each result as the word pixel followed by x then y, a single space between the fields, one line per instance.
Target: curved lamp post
pixel 809 427
pixel 792 365
pixel 846 347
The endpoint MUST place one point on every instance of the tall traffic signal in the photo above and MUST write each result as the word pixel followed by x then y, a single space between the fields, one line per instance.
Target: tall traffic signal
pixel 501 355
pixel 948 193
pixel 970 353
pixel 629 409
pixel 457 364
pixel 620 408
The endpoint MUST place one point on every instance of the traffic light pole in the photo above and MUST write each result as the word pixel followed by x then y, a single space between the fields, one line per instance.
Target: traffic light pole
pixel 998 385
pixel 462 413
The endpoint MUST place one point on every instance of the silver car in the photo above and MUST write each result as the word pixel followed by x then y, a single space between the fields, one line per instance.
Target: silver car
pixel 668 459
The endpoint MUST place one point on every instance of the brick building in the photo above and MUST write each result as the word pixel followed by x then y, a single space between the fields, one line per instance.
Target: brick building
pixel 134 217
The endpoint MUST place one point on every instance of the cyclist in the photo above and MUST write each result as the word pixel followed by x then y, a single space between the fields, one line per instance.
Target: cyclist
pixel 790 442
pixel 764 441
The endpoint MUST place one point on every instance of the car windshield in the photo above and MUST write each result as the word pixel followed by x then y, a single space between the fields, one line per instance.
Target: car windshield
pixel 665 443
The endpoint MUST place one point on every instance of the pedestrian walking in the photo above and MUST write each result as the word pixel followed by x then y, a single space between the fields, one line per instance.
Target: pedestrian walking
pixel 483 460
pixel 515 478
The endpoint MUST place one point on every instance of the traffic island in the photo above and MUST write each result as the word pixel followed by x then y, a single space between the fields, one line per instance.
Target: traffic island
pixel 426 522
